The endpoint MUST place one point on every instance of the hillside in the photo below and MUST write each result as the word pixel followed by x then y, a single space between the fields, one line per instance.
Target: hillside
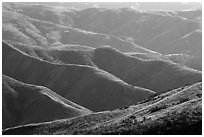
pixel 182 59
pixel 186 60
pixel 25 104
pixel 190 44
pixel 65 54
pixel 153 30
pixel 166 32
pixel 90 87
pixel 195 14
pixel 158 74
pixel 20 28
pixel 177 112
pixel 94 68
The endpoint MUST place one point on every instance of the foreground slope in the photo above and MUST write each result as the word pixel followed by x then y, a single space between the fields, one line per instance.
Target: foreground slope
pixel 175 112
pixel 25 104
pixel 90 87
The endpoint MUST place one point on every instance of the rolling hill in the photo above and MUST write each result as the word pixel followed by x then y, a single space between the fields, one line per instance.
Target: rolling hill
pixel 25 104
pixel 176 32
pixel 154 30
pixel 76 68
pixel 182 59
pixel 177 112
pixel 190 44
pixel 186 60
pixel 157 74
pixel 90 87
pixel 21 29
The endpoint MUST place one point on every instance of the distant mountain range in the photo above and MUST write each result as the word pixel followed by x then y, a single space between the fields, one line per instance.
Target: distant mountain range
pixel 98 68
pixel 163 32
pixel 167 6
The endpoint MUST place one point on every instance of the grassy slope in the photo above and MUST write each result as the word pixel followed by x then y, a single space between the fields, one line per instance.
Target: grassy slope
pixel 182 59
pixel 190 44
pixel 25 104
pixel 26 28
pixel 153 30
pixel 159 74
pixel 87 86
pixel 17 28
pixel 175 112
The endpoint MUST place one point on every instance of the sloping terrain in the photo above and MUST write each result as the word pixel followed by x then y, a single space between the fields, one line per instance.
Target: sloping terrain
pixel 186 60
pixel 21 29
pixel 129 71
pixel 182 59
pixel 168 6
pixel 150 29
pixel 159 75
pixel 65 54
pixel 195 14
pixel 175 112
pixel 25 104
pixel 190 44
pixel 160 41
pixel 177 32
pixel 87 86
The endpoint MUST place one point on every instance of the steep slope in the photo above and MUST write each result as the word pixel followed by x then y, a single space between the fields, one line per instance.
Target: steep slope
pixel 186 60
pixel 65 54
pixel 87 86
pixel 77 54
pixel 154 30
pixel 44 12
pixel 25 104
pixel 155 72
pixel 194 14
pixel 172 113
pixel 157 75
pixel 189 44
pixel 19 28
pixel 182 59
pixel 160 41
